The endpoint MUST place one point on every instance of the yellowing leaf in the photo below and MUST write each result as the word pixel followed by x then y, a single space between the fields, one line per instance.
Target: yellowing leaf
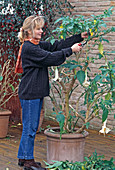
pixel 83 168
pixel 75 72
pixel 95 29
pixel 61 36
pixel 9 163
pixel 61 26
pixel 19 124
pixel 100 47
pixel 107 96
pixel 96 112
pixel 14 126
pixel 95 21
pixel 91 32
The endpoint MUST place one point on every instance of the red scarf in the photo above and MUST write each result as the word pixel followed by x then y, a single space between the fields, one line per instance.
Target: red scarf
pixel 18 68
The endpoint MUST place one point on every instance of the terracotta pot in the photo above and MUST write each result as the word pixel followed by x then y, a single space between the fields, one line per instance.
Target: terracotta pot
pixel 4 120
pixel 70 147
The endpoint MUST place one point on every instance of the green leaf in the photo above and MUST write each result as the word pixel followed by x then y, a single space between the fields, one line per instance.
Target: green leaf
pixel 85 101
pixel 52 41
pixel 55 165
pixel 108 96
pixel 81 76
pixel 60 118
pixel 54 113
pixel 113 96
pixel 13 89
pixel 97 78
pixel 83 112
pixel 87 125
pixel 100 47
pixel 1 78
pixel 106 40
pixel 100 56
pixel 105 114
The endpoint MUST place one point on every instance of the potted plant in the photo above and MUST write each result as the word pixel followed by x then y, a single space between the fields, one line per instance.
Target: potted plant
pixel 8 89
pixel 97 90
pixel 91 162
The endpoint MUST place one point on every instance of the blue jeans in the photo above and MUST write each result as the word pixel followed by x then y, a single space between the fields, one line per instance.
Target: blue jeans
pixel 30 119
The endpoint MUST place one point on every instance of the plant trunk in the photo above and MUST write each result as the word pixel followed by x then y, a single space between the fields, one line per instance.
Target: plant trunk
pixel 66 110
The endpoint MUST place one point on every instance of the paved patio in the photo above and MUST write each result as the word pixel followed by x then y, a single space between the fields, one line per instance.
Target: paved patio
pixel 9 146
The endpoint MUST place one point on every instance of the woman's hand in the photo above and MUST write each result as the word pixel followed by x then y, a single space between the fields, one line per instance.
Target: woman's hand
pixel 84 35
pixel 76 48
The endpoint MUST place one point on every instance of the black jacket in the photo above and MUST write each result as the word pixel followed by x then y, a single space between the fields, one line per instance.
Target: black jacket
pixel 35 62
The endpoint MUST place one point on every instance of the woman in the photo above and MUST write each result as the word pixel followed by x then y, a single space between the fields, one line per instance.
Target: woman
pixel 36 56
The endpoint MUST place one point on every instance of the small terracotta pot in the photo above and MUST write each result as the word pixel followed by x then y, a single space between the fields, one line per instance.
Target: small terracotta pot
pixel 70 147
pixel 4 120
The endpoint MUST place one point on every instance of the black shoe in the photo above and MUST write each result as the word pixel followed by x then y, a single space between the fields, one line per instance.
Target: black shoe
pixel 22 161
pixel 32 165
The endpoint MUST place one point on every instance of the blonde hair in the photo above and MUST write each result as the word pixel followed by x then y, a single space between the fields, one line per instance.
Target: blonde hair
pixel 29 24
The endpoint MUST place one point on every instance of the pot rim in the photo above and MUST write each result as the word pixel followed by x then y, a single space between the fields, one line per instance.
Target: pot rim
pixel 47 132
pixel 5 112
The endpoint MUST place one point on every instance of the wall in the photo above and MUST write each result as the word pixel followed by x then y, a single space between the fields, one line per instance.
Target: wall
pixel 87 8
pixel 96 7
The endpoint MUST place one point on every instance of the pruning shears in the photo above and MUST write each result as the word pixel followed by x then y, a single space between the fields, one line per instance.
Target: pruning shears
pixel 82 44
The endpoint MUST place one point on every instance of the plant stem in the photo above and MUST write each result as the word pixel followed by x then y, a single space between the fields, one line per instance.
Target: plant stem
pixel 66 109
pixel 77 114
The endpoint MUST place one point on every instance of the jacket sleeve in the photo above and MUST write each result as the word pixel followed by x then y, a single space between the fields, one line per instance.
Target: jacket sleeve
pixel 58 45
pixel 37 57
